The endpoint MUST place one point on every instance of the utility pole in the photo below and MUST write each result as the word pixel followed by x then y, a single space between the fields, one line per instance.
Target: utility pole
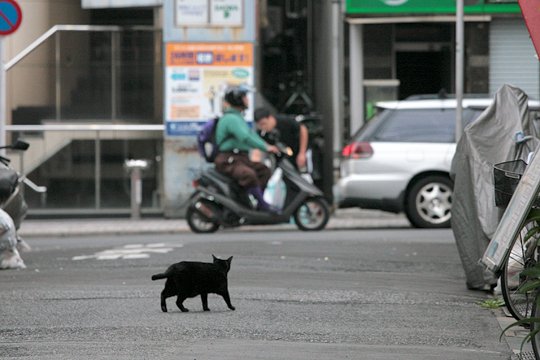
pixel 460 49
pixel 2 95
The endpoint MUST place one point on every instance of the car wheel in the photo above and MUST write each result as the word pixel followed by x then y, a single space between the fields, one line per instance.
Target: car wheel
pixel 429 202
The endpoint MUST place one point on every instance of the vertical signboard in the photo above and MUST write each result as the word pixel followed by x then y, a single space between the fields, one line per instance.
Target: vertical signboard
pixel 208 45
pixel 197 75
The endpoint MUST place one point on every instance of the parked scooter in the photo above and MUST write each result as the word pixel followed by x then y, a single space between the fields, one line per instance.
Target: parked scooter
pixel 219 201
pixel 11 198
pixel 13 210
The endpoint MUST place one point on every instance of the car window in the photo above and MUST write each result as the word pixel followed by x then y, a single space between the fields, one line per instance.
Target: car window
pixel 420 125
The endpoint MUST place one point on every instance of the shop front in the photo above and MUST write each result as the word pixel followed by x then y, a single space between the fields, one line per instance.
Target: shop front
pixel 399 48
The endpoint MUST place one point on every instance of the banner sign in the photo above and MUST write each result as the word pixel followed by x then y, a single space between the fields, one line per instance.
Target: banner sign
pixel 197 75
pixel 531 14
pixel 411 7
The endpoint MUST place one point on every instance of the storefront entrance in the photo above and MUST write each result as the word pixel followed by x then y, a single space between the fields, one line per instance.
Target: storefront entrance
pixel 423 72
pixel 423 58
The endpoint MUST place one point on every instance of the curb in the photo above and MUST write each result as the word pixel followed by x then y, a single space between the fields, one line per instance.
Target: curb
pixel 345 220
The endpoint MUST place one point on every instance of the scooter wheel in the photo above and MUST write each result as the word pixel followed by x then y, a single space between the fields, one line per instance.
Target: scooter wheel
pixel 312 215
pixel 198 223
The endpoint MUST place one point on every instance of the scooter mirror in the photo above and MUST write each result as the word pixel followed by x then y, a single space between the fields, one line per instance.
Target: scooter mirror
pixel 20 145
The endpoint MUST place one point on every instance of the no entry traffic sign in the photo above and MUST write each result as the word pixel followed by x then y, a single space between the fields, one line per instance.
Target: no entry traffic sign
pixel 10 16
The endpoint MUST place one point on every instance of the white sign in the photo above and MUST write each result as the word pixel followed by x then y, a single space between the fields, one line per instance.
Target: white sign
pixel 227 13
pixel 191 13
pixel 100 4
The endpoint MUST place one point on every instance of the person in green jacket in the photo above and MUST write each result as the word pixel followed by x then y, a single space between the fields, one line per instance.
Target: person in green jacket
pixel 235 139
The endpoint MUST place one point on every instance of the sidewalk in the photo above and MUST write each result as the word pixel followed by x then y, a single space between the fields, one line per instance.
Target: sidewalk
pixel 514 336
pixel 341 219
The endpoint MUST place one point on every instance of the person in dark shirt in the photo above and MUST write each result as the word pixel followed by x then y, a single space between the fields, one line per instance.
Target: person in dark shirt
pixel 290 132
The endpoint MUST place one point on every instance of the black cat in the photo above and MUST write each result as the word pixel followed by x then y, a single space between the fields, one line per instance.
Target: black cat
pixel 188 279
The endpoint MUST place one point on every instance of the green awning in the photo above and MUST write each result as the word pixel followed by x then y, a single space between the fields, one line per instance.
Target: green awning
pixel 411 7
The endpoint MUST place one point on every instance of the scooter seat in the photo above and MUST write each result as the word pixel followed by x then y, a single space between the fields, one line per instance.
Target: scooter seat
pixel 227 185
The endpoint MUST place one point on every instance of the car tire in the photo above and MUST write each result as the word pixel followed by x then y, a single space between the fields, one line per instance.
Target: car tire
pixel 429 202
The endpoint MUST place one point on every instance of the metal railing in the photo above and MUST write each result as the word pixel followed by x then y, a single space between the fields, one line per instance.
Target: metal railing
pixel 56 32
pixel 37 136
pixel 90 75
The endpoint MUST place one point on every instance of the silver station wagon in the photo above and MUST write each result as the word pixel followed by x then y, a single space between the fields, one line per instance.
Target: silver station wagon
pixel 400 160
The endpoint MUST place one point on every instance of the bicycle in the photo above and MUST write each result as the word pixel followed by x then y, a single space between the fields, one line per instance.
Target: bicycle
pixel 523 253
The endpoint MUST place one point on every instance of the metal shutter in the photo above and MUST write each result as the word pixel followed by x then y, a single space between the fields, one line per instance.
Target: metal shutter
pixel 512 57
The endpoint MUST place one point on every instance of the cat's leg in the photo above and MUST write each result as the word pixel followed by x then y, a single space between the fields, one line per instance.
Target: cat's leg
pixel 204 299
pixel 163 298
pixel 179 300
pixel 227 299
pixel 167 292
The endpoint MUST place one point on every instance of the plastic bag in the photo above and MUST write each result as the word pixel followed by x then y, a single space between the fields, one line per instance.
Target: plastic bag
pixel 275 191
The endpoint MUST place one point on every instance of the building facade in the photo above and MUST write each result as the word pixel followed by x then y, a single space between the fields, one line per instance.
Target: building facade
pixel 105 63
pixel 407 47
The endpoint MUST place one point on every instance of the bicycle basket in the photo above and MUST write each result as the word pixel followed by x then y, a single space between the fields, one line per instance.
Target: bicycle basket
pixel 506 176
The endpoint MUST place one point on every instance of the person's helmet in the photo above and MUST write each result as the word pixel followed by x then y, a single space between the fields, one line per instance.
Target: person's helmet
pixel 234 95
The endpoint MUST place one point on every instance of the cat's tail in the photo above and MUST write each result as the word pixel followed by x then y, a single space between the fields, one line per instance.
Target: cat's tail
pixel 160 276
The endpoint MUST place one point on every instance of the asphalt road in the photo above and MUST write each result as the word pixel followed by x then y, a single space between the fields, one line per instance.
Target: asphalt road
pixel 368 294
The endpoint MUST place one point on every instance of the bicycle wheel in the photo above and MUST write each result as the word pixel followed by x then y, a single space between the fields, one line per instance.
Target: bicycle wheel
pixel 523 255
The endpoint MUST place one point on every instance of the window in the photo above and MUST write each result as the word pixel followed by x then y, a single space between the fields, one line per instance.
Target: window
pixel 421 125
pixel 418 125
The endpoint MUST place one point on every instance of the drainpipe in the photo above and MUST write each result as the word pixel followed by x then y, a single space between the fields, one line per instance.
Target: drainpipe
pixel 337 74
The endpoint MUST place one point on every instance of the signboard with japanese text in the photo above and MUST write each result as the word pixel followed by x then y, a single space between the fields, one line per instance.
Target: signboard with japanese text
pixel 199 21
pixel 191 12
pixel 209 13
pixel 197 75
pixel 226 13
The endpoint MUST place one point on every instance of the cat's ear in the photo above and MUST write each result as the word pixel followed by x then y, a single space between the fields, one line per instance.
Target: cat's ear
pixel 213 257
pixel 229 259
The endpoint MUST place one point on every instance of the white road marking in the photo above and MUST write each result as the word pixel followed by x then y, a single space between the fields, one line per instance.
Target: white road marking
pixel 130 252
